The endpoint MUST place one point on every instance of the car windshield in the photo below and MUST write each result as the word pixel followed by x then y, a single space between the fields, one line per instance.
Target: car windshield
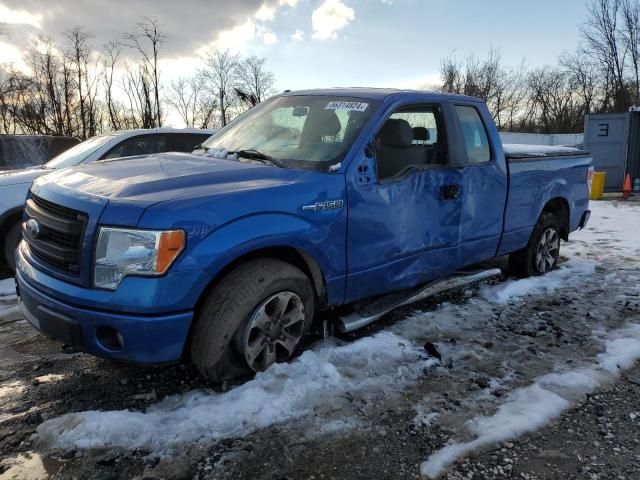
pixel 311 132
pixel 76 155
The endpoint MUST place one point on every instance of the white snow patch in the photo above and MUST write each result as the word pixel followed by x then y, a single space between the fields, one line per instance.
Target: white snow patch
pixel 220 153
pixel 424 416
pixel 612 230
pixel 285 392
pixel 536 150
pixel 7 288
pixel 515 289
pixel 533 406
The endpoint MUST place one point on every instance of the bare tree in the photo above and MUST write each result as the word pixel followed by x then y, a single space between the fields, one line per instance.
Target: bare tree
pixel 602 42
pixel 630 11
pixel 553 103
pixel 112 51
pixel 255 82
pixel 584 79
pixel 148 36
pixel 79 58
pixel 500 87
pixel 221 74
pixel 194 103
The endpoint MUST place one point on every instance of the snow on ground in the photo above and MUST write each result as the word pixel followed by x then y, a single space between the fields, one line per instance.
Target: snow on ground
pixel 7 289
pixel 283 393
pixel 7 296
pixel 394 359
pixel 515 289
pixel 531 407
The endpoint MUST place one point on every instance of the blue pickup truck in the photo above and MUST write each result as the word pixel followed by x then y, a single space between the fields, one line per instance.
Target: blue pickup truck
pixel 351 201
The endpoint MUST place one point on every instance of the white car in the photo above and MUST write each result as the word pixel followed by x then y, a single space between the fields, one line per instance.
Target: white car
pixel 15 185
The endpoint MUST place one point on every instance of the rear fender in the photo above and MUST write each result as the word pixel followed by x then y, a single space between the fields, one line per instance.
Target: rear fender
pixel 558 188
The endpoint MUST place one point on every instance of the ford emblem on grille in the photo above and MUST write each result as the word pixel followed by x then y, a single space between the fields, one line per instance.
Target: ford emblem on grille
pixel 33 227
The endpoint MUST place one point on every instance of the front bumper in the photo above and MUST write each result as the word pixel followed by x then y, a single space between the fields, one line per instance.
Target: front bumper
pixel 143 339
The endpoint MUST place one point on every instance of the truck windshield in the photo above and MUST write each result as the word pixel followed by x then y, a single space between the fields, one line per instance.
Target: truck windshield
pixel 76 155
pixel 310 132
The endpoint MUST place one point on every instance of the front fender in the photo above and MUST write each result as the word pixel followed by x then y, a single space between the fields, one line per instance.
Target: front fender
pixel 323 241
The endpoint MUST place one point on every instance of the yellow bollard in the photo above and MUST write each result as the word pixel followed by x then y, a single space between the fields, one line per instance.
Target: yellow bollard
pixel 597 186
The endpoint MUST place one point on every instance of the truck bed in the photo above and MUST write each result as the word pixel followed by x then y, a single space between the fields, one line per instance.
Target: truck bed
pixel 538 174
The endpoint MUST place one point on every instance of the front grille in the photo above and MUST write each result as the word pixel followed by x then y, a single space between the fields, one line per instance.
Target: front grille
pixel 58 239
pixel 58 210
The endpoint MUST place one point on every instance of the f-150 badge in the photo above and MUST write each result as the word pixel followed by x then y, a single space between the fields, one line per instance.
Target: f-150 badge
pixel 319 206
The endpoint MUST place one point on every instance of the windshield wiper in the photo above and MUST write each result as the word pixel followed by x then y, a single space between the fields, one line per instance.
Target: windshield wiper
pixel 253 154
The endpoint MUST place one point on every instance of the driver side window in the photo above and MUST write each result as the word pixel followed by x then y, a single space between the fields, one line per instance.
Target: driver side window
pixel 411 138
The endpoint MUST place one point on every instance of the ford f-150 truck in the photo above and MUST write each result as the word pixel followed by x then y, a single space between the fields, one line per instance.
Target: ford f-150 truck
pixel 348 200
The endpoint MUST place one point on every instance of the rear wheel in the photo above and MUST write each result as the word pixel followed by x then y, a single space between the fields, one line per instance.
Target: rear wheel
pixel 256 316
pixel 543 250
pixel 11 241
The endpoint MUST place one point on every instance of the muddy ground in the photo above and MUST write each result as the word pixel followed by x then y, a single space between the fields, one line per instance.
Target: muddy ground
pixel 488 349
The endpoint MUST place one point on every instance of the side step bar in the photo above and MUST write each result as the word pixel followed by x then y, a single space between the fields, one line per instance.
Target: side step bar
pixel 369 313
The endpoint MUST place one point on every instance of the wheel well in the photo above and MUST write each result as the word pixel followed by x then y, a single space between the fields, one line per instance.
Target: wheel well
pixel 560 208
pixel 7 222
pixel 295 257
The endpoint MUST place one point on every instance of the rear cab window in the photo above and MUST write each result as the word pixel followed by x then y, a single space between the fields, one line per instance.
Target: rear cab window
pixel 474 134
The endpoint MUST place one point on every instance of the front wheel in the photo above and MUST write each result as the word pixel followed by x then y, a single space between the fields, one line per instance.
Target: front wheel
pixel 543 250
pixel 256 316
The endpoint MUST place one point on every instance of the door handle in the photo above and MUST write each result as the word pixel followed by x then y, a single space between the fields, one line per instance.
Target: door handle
pixel 450 192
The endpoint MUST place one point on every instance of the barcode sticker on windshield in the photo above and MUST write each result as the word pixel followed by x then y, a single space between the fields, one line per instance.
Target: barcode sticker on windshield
pixel 339 105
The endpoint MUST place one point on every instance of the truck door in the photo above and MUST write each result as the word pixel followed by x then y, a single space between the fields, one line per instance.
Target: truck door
pixel 484 187
pixel 404 206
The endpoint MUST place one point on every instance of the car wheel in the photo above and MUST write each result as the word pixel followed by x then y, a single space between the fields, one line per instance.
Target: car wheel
pixel 541 254
pixel 256 316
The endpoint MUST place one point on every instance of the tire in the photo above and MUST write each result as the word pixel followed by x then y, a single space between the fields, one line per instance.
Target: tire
pixel 541 254
pixel 11 242
pixel 236 314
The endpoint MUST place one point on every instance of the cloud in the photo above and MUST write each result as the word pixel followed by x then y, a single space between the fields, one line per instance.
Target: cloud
pixel 266 12
pixel 269 38
pixel 11 54
pixel 298 35
pixel 330 17
pixel 189 25
pixel 13 17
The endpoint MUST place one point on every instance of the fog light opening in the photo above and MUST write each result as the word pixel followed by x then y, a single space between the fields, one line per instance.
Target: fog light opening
pixel 110 338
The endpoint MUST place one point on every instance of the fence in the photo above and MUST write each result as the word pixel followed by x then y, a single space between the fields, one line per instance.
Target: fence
pixel 542 138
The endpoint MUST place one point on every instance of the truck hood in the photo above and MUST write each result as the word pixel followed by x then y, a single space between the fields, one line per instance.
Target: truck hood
pixel 151 179
pixel 17 177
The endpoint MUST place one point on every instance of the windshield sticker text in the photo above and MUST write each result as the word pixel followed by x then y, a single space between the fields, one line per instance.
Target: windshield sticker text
pixel 339 105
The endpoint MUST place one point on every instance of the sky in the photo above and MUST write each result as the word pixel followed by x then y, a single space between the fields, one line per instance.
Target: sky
pixel 316 43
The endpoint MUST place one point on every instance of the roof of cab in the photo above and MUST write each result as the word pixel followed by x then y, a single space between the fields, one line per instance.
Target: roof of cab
pixel 379 93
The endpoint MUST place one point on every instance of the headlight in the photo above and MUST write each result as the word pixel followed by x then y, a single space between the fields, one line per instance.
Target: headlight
pixel 121 252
